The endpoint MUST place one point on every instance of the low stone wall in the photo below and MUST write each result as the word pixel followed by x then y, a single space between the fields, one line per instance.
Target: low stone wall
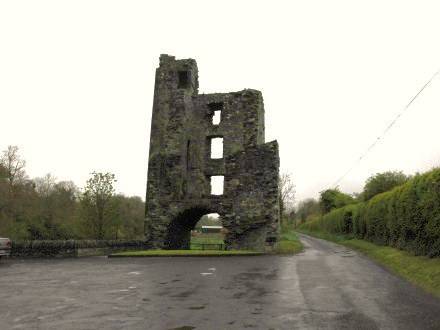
pixel 72 248
pixel 89 252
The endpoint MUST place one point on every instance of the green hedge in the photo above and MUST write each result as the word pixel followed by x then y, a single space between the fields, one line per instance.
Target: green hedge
pixel 69 248
pixel 407 217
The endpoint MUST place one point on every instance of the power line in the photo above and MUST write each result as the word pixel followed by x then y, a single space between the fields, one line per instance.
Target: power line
pixel 380 137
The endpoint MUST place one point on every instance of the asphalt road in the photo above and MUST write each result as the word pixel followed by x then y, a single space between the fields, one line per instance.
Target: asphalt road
pixel 325 287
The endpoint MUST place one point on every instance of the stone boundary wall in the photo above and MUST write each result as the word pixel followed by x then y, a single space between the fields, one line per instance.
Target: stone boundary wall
pixel 72 248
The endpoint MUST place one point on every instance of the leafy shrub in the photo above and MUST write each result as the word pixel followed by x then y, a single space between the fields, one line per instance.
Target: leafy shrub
pixel 406 217
pixel 381 182
pixel 332 199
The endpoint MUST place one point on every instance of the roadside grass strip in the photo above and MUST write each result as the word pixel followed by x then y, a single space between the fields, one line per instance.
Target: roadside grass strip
pixel 289 243
pixel 185 253
pixel 419 270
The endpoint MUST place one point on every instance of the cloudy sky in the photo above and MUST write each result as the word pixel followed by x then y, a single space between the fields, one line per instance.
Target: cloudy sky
pixel 76 81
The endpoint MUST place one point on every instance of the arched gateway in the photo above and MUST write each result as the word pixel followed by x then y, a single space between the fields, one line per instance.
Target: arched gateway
pixel 183 173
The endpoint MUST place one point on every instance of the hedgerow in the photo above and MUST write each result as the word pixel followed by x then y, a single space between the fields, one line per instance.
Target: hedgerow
pixel 406 217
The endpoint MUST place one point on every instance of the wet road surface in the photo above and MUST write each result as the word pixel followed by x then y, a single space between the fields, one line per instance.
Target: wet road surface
pixel 325 287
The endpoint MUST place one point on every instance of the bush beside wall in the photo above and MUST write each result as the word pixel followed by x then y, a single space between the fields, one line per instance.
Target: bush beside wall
pixel 406 217
pixel 72 248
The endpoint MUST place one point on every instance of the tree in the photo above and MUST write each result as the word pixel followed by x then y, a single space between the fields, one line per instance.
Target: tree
pixel 4 201
pixel 65 196
pixel 18 195
pixel 381 182
pixel 3 188
pixel 41 223
pixel 287 193
pixel 208 220
pixel 44 186
pixel 55 213
pixel 3 172
pixel 128 218
pixel 333 199
pixel 96 203
pixel 13 165
pixel 307 208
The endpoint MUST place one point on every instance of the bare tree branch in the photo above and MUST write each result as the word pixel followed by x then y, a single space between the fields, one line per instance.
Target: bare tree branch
pixel 14 166
pixel 287 192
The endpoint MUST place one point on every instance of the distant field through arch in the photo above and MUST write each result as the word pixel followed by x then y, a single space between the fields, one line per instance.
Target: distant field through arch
pixel 208 233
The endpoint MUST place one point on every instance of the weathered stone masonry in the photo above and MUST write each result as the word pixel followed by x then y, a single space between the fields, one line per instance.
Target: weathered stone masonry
pixel 180 164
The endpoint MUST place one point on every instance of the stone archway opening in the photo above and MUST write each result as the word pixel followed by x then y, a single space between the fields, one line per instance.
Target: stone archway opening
pixel 208 233
pixel 180 229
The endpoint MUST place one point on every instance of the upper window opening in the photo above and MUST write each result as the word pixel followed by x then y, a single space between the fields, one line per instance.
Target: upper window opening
pixel 216 110
pixel 217 182
pixel 217 148
pixel 215 106
pixel 184 79
pixel 216 117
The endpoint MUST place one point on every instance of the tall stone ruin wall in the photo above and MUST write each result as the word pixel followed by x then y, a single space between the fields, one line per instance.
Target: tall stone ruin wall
pixel 180 166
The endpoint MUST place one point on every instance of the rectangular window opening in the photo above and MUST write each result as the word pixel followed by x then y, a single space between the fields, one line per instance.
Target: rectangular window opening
pixel 216 117
pixel 216 110
pixel 217 182
pixel 217 148
pixel 184 79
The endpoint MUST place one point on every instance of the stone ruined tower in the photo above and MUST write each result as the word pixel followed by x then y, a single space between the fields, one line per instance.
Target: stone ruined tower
pixel 180 167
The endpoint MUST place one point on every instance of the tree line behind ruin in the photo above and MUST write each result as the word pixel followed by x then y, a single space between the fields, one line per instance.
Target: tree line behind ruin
pixel 46 209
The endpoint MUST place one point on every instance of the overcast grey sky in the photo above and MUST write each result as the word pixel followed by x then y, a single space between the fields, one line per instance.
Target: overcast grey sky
pixel 76 81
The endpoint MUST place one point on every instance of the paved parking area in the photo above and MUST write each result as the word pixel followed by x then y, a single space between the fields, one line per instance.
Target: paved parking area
pixel 325 287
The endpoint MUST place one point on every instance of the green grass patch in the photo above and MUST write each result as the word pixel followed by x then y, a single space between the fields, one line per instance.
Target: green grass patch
pixel 206 239
pixel 289 243
pixel 210 238
pixel 419 270
pixel 184 253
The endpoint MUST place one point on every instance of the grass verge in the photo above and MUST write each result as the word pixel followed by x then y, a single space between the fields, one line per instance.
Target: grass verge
pixel 185 253
pixel 289 243
pixel 419 270
pixel 197 241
